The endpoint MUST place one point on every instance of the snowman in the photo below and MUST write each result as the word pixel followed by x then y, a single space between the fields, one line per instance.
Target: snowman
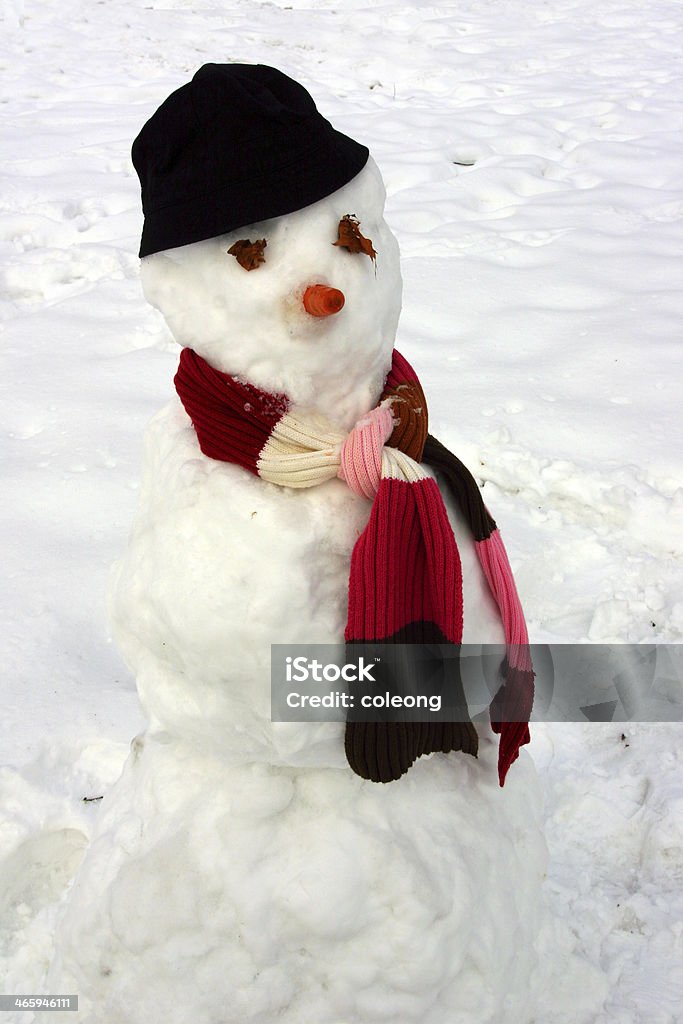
pixel 244 870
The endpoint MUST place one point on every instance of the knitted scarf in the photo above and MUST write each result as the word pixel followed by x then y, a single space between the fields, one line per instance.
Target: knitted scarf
pixel 405 583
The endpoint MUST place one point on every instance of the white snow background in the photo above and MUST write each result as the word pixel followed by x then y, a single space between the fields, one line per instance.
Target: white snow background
pixel 533 156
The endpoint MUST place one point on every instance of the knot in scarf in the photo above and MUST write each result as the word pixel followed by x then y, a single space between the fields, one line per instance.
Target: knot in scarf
pixel 361 451
pixel 405 581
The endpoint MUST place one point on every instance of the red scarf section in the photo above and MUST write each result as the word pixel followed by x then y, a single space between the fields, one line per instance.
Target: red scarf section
pixel 405 583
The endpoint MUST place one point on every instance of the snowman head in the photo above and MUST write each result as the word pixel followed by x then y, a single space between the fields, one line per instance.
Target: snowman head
pixel 303 297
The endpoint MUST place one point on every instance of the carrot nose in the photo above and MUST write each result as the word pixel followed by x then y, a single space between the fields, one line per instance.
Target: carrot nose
pixel 321 300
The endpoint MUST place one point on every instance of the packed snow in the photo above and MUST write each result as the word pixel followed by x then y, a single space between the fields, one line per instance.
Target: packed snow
pixel 531 153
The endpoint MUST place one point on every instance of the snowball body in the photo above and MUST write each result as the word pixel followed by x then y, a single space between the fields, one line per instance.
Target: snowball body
pixel 240 871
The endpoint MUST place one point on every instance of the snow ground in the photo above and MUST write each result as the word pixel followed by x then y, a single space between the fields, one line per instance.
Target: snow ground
pixel 532 155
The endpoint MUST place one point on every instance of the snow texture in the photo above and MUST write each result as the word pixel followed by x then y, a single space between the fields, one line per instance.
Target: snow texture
pixel 531 153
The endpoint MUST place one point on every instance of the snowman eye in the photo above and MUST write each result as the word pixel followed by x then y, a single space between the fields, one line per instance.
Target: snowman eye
pixel 249 254
pixel 350 237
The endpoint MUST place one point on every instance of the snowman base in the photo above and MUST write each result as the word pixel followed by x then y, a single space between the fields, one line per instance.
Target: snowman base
pixel 254 893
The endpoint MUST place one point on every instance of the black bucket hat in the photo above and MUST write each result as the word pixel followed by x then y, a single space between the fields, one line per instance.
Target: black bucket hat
pixel 239 143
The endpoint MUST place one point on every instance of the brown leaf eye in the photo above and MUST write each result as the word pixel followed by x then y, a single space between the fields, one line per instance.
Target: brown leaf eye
pixel 249 254
pixel 350 237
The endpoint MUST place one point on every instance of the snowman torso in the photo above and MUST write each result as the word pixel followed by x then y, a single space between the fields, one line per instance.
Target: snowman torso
pixel 220 566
